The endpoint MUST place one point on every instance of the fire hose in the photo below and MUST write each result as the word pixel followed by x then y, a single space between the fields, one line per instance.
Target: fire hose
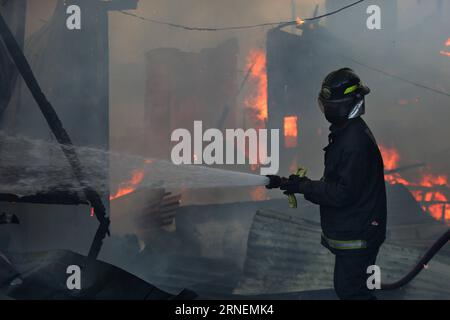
pixel 94 198
pixel 422 264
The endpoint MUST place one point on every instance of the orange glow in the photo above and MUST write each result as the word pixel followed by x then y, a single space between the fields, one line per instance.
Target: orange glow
pixel 259 194
pixel 299 21
pixel 128 187
pixel 390 158
pixel 294 164
pixel 446 53
pixel 257 101
pixel 290 131
pixel 405 102
pixel 438 211
pixel 430 180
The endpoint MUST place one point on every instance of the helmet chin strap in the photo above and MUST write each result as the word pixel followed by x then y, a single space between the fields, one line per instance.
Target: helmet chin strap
pixel 357 110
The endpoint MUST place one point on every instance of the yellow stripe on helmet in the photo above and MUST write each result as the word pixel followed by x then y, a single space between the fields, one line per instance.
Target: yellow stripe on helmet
pixel 351 89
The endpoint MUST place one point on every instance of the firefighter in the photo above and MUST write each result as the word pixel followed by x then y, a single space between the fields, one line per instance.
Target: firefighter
pixel 351 194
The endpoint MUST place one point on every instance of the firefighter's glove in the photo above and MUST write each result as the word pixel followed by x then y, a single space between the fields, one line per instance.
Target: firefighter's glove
pixel 295 184
pixel 274 182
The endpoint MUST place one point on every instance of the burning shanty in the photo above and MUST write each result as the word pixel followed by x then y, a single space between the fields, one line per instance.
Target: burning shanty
pixel 87 175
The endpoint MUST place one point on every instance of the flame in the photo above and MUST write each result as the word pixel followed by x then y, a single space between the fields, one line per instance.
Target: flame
pixel 128 187
pixel 446 53
pixel 430 180
pixel 290 131
pixel 299 21
pixel 257 101
pixel 390 157
pixel 438 210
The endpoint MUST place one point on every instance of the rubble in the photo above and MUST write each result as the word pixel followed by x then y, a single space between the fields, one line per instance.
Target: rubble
pixel 44 276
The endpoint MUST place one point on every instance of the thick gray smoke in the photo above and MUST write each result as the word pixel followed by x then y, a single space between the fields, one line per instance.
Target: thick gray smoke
pixel 404 116
pixel 407 117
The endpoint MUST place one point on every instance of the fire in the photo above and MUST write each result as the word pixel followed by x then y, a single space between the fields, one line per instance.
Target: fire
pixel 290 131
pixel 446 53
pixel 129 186
pixel 435 202
pixel 257 101
pixel 431 180
pixel 439 208
pixel 390 158
pixel 299 21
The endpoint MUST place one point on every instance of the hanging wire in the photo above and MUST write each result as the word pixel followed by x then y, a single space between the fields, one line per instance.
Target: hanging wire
pixel 393 76
pixel 282 23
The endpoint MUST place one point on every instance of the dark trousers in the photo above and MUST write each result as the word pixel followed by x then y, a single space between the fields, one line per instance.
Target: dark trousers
pixel 350 274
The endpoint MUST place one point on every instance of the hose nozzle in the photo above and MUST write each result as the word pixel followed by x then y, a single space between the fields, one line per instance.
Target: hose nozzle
pixel 301 172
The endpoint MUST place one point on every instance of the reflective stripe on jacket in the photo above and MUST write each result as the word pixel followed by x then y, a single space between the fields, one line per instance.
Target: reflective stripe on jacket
pixel 345 244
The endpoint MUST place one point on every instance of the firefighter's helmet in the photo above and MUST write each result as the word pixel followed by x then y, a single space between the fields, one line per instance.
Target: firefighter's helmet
pixel 342 96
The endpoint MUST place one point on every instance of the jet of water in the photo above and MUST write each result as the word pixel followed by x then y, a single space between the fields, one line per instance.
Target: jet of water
pixel 30 166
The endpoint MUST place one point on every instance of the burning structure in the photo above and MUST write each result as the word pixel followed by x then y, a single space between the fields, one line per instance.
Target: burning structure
pixel 177 94
pixel 227 249
pixel 283 81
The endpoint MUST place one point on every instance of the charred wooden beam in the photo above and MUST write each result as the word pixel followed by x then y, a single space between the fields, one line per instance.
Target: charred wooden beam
pixel 14 13
pixel 53 197
pixel 442 188
pixel 429 203
pixel 405 168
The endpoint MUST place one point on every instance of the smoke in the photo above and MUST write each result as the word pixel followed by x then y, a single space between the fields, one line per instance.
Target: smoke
pixel 131 39
pixel 410 51
pixel 403 116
